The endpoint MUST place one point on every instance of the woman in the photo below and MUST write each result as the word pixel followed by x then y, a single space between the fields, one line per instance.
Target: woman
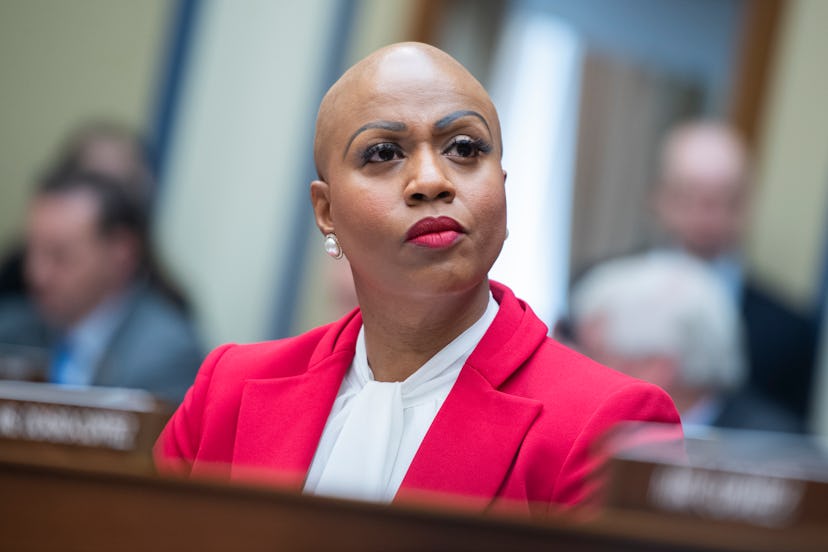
pixel 441 381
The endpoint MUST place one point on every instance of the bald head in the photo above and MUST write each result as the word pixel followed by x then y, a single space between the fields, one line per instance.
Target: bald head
pixel 708 150
pixel 702 195
pixel 384 77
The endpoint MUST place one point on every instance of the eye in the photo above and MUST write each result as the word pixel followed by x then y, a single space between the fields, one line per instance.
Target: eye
pixel 380 153
pixel 465 146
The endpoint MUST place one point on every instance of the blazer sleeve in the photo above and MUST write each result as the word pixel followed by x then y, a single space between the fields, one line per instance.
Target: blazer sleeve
pixel 177 446
pixel 578 481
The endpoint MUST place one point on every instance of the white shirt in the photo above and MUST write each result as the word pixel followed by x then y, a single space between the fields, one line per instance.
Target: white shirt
pixel 375 428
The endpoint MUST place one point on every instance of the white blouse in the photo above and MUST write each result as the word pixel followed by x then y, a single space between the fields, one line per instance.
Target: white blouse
pixel 375 428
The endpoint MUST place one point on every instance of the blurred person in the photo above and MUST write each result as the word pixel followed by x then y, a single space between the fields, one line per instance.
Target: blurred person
pixel 702 202
pixel 102 146
pixel 110 148
pixel 441 381
pixel 665 318
pixel 90 298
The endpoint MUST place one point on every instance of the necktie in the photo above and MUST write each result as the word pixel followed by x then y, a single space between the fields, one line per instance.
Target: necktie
pixel 61 361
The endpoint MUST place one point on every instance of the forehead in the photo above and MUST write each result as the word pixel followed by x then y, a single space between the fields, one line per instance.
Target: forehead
pixel 411 87
pixel 64 213
pixel 706 155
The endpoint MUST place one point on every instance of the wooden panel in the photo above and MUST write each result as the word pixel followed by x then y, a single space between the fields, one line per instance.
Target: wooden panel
pixel 762 20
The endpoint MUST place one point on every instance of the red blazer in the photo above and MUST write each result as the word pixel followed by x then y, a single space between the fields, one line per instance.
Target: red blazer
pixel 517 426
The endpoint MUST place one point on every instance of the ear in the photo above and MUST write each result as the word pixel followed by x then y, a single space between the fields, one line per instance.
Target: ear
pixel 321 201
pixel 125 252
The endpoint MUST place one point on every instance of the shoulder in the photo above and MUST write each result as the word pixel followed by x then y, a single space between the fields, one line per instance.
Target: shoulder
pixel 20 322
pixel 582 399
pixel 154 313
pixel 761 307
pixel 277 358
pixel 558 376
pixel 220 383
pixel 293 355
pixel 153 328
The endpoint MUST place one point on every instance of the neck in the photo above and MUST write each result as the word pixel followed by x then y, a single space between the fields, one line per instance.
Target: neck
pixel 402 332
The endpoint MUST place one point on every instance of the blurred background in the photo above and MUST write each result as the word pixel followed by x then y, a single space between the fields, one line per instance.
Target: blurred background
pixel 225 94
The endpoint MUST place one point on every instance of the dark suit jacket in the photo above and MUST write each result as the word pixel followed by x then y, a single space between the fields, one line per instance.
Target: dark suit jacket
pixel 748 409
pixel 154 347
pixel 519 425
pixel 781 349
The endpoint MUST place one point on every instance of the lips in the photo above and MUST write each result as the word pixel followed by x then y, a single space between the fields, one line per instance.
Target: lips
pixel 435 233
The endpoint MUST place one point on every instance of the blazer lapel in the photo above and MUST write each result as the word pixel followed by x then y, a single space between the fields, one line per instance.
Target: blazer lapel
pixel 472 443
pixel 281 419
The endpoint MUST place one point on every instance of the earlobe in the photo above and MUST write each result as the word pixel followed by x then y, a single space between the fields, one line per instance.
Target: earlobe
pixel 321 202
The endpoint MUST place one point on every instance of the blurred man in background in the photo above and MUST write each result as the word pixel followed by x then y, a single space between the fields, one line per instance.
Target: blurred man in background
pixel 90 300
pixel 102 147
pixel 702 201
pixel 90 291
pixel 664 318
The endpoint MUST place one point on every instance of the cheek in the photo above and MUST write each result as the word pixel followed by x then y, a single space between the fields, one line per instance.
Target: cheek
pixel 90 268
pixel 489 207
pixel 362 211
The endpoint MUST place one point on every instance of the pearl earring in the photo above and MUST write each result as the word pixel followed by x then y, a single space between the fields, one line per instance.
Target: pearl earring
pixel 332 246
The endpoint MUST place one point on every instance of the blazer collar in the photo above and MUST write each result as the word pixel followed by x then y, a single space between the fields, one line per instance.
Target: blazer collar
pixel 469 447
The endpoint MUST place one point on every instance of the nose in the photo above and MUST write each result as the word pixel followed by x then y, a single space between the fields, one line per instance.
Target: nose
pixel 427 180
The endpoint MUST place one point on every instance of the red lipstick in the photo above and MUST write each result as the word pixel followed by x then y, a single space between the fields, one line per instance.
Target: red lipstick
pixel 435 233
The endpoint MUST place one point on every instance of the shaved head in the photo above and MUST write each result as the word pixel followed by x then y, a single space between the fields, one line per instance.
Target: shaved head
pixel 382 75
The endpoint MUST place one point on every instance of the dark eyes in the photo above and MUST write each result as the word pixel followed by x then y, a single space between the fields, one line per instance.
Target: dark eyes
pixel 463 147
pixel 380 153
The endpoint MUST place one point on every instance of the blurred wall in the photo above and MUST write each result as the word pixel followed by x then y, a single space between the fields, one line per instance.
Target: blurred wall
pixel 685 38
pixel 239 156
pixel 62 63
pixel 787 238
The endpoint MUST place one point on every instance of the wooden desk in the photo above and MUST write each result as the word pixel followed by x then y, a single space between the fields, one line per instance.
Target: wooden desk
pixel 76 474
pixel 60 508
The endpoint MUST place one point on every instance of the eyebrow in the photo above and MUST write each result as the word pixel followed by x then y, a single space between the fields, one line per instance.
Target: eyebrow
pixel 385 125
pixel 451 117
pixel 398 127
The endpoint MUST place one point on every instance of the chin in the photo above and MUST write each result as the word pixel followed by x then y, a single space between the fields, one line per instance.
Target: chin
pixel 53 314
pixel 450 283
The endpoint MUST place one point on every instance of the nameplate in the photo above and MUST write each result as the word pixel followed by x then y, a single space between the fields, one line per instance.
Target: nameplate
pixel 38 420
pixel 723 487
